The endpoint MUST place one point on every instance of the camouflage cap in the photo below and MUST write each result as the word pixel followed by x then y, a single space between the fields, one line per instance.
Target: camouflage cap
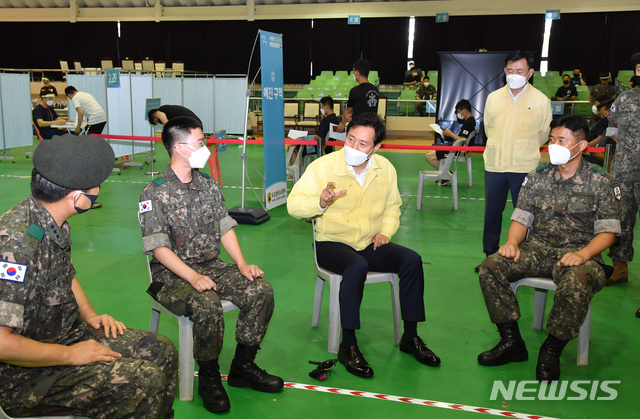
pixel 74 162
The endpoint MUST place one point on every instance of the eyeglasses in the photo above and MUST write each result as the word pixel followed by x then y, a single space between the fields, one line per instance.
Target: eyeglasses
pixel 200 143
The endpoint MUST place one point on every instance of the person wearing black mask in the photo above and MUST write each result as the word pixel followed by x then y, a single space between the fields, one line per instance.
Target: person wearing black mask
pixel 577 79
pixel 567 91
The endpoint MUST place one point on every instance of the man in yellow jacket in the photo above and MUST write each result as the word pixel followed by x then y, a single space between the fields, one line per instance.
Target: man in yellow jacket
pixel 354 195
pixel 516 122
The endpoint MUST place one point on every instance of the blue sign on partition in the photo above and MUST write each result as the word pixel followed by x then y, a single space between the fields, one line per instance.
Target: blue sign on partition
pixel 113 77
pixel 354 20
pixel 275 177
pixel 442 17
pixel 557 108
pixel 552 14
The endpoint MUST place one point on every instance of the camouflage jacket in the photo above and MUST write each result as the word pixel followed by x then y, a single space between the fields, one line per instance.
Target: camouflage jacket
pixel 187 218
pixel 36 271
pixel 625 115
pixel 568 213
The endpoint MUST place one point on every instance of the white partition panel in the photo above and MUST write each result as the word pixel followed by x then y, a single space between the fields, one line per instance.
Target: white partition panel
pixel 15 111
pixel 198 96
pixel 119 115
pixel 141 89
pixel 168 89
pixel 230 103
pixel 95 85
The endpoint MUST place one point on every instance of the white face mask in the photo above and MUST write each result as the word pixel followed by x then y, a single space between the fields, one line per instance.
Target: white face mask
pixel 354 157
pixel 198 158
pixel 322 111
pixel 49 102
pixel 594 110
pixel 560 155
pixel 516 81
pixel 426 84
pixel 354 77
pixel 459 115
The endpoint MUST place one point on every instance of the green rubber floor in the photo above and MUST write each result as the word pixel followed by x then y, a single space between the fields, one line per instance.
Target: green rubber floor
pixel 110 265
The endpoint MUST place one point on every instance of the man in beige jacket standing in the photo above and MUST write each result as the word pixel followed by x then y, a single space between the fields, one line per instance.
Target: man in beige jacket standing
pixel 516 121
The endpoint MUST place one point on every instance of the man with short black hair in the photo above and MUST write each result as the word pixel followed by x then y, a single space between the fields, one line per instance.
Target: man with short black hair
pixel 426 91
pixel 87 105
pixel 567 91
pixel 414 78
pixel 464 114
pixel 44 116
pixel 165 113
pixel 577 79
pixel 184 221
pixel 516 122
pixel 57 355
pixel 353 193
pixel 568 212
pixel 330 117
pixel 363 98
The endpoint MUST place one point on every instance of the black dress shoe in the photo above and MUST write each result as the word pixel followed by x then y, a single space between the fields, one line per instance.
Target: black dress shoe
pixel 417 348
pixel 354 362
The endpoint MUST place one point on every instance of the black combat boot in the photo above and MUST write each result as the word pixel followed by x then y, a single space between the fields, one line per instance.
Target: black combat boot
pixel 548 368
pixel 511 347
pixel 214 396
pixel 245 373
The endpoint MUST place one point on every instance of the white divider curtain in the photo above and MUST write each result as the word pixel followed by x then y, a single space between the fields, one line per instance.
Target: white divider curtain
pixel 15 111
pixel 198 96
pixel 126 113
pixel 230 103
pixel 169 90
pixel 119 115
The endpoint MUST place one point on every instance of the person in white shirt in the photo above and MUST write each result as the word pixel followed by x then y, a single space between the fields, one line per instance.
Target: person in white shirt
pixel 87 105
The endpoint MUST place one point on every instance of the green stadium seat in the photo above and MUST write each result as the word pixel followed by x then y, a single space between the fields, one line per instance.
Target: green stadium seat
pixel 407 108
pixel 583 109
pixel 342 74
pixel 304 94
pixel 373 76
pixel 325 74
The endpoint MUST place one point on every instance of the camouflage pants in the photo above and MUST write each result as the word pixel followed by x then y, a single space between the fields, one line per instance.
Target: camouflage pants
pixel 629 203
pixel 141 384
pixel 576 286
pixel 254 298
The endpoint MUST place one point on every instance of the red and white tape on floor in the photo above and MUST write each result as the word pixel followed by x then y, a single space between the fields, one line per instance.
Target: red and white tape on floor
pixel 411 400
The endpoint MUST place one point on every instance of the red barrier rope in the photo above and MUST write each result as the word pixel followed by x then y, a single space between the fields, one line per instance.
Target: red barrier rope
pixel 214 140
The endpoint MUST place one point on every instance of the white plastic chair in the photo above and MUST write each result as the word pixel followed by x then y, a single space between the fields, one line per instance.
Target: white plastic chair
pixel 185 344
pixel 442 174
pixel 295 168
pixel 3 415
pixel 465 156
pixel 323 275
pixel 542 285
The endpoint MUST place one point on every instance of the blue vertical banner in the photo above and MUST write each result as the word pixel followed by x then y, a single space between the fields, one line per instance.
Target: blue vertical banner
pixel 275 175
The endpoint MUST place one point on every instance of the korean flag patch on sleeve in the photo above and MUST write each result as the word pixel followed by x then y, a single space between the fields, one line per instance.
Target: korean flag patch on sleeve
pixel 12 271
pixel 145 206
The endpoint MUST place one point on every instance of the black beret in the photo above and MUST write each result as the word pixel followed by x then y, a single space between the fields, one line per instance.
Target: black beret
pixel 635 58
pixel 74 161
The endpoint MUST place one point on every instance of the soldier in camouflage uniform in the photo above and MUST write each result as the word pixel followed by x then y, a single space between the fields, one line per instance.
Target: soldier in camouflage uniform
pixel 57 355
pixel 624 121
pixel 570 211
pixel 184 220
